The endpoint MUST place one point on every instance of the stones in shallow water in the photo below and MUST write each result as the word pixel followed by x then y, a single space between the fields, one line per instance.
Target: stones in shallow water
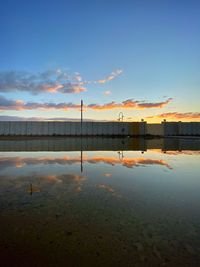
pixel 57 216
pixel 157 253
pixel 139 246
pixel 68 233
pixel 189 249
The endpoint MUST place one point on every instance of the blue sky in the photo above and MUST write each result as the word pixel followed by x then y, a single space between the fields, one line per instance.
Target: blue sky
pixel 155 43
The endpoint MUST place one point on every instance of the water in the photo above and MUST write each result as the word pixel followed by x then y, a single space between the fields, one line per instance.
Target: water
pixel 99 202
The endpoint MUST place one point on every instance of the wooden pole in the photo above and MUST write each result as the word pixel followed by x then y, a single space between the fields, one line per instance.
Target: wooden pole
pixel 81 135
pixel 81 115
pixel 81 111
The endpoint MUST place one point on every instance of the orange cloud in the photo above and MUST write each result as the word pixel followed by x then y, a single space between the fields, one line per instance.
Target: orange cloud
pixel 8 104
pixel 6 162
pixel 129 162
pixel 110 77
pixel 108 175
pixel 76 182
pixel 129 104
pixel 177 115
pixel 109 189
pixel 155 105
pixel 175 152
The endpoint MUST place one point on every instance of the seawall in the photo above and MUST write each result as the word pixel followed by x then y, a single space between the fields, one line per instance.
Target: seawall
pixel 45 128
pixel 59 128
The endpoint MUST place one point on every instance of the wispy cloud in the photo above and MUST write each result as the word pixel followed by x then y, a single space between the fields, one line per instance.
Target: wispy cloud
pixel 130 104
pixel 177 115
pixel 50 81
pixel 18 118
pixel 19 162
pixel 110 77
pixel 8 104
pixel 107 92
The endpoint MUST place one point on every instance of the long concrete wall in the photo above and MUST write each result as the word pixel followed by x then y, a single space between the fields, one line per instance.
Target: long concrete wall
pixel 35 128
pixel 173 129
pixel 181 128
pixel 155 129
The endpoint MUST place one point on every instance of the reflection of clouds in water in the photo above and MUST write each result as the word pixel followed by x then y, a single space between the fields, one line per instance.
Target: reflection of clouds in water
pixel 35 183
pixel 19 162
pixel 33 189
pixel 109 189
pixel 185 152
pixel 130 162
pixel 108 175
pixel 175 152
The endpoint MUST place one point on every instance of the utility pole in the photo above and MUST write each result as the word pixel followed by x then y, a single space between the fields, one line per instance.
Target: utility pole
pixel 81 135
pixel 81 111
pixel 81 116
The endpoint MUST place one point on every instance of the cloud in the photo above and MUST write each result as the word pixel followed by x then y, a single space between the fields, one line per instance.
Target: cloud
pixel 18 118
pixel 8 104
pixel 19 162
pixel 72 182
pixel 109 189
pixel 177 115
pixel 129 104
pixel 110 77
pixel 155 105
pixel 107 92
pixel 51 81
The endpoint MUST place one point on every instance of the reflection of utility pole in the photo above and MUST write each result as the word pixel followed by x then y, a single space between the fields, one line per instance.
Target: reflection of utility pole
pixel 81 160
pixel 121 116
pixel 30 191
pixel 121 154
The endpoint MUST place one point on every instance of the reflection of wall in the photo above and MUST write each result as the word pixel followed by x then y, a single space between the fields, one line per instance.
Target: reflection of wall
pixel 172 144
pixel 155 129
pixel 71 144
pixel 155 143
pixel 72 128
pixel 96 144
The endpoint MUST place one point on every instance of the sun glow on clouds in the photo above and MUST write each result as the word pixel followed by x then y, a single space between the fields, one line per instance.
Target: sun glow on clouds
pixel 61 81
pixel 51 81
pixel 188 116
pixel 19 162
pixel 110 77
pixel 7 104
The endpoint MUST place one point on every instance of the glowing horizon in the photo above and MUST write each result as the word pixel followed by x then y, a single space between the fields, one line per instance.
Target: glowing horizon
pixel 134 58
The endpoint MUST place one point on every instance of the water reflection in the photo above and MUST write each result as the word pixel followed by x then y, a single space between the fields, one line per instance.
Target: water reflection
pixel 96 144
pixel 19 162
pixel 100 207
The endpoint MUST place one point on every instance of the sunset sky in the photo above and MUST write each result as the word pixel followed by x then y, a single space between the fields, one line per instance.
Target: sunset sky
pixel 141 58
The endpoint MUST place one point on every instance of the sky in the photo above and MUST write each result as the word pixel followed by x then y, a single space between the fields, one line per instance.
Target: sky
pixel 141 58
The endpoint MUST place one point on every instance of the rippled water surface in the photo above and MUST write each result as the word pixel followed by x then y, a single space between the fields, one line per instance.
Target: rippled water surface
pixel 115 202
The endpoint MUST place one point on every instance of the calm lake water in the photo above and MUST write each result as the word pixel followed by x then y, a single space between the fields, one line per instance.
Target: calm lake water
pixel 100 202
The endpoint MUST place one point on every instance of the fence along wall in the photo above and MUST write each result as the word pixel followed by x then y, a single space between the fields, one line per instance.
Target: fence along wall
pixel 35 128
